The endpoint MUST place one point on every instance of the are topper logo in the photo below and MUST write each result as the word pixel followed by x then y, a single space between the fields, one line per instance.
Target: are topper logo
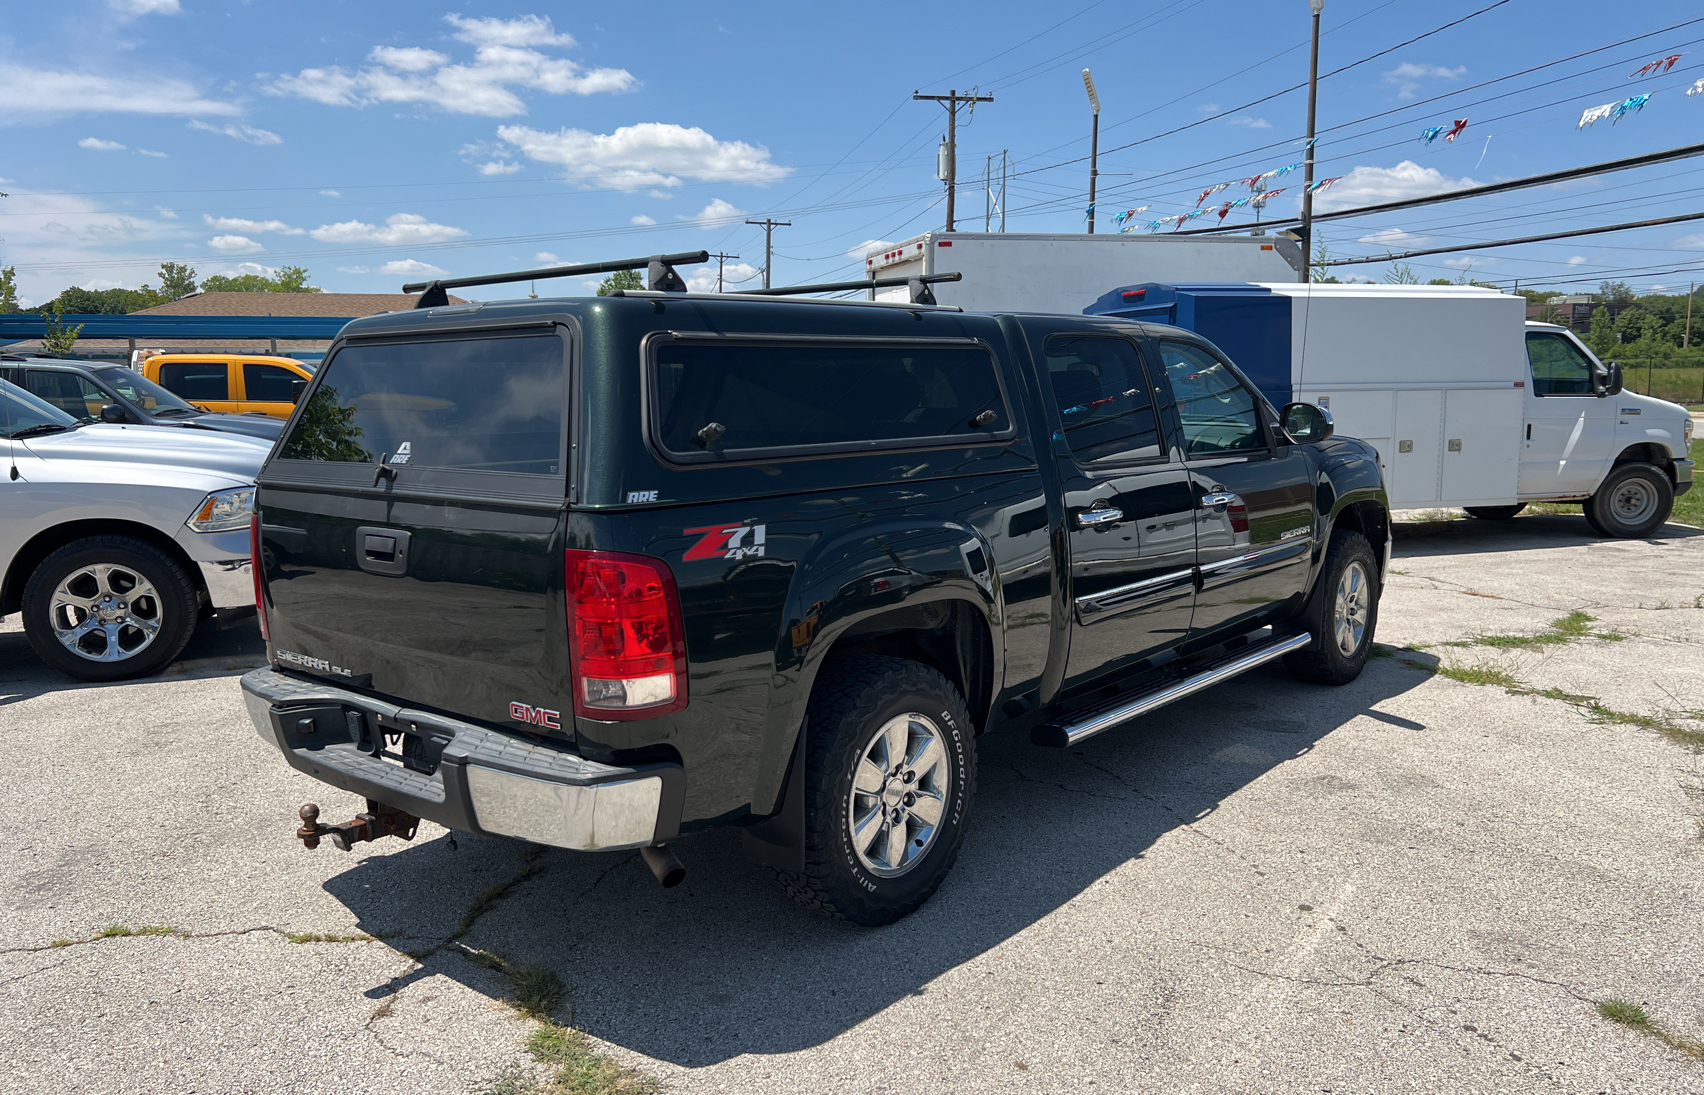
pixel 728 542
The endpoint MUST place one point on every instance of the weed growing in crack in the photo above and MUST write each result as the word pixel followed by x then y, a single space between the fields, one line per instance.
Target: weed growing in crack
pixel 536 993
pixel 1634 1017
pixel 487 900
pixel 572 1067
pixel 1482 673
pixel 1570 628
pixel 326 937
pixel 119 931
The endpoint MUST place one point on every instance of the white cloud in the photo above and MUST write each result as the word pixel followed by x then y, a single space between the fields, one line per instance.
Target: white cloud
pixel 503 60
pixel 643 219
pixel 1408 75
pixel 546 257
pixel 499 167
pixel 1689 243
pixel 1252 123
pixel 246 133
pixel 400 229
pixel 1371 185
pixel 30 92
pixel 234 245
pixel 1389 237
pixel 718 212
pixel 146 7
pixel 150 152
pixel 238 224
pixel 100 145
pixel 735 275
pixel 1208 108
pixel 647 154
pixel 411 268
pixel 332 193
pixel 867 246
pixel 55 240
pixel 354 269
pixel 1577 260
pixel 166 212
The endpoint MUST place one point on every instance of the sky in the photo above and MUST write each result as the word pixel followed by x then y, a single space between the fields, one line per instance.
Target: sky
pixel 378 143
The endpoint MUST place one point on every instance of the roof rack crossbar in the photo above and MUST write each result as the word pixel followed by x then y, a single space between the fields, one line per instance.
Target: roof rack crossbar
pixel 920 291
pixel 659 269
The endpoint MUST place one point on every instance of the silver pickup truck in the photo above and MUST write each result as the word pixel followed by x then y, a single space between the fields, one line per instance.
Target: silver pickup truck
pixel 115 540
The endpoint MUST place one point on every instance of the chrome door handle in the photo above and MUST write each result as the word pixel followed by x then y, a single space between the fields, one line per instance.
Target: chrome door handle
pixel 1218 501
pixel 1093 518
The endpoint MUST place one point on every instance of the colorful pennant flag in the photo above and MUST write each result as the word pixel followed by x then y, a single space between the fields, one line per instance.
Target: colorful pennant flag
pixel 1696 89
pixel 1210 191
pixel 1657 67
pixel 1455 131
pixel 1629 106
pixel 1595 115
pixel 1431 133
pixel 1323 184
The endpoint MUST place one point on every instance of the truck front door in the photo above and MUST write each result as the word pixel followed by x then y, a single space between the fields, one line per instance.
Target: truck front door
pixel 1128 512
pixel 1254 516
pixel 1569 436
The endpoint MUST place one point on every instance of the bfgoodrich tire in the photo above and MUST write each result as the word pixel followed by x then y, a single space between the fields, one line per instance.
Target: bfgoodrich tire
pixel 889 778
pixel 1344 615
pixel 1632 502
pixel 107 608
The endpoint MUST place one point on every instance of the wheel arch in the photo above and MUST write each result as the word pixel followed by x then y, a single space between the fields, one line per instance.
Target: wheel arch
pixel 1648 452
pixel 49 540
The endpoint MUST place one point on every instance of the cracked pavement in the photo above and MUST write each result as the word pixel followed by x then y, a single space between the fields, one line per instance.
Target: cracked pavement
pixel 1405 883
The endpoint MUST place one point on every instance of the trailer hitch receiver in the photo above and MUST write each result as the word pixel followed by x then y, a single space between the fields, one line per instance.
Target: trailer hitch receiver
pixel 378 821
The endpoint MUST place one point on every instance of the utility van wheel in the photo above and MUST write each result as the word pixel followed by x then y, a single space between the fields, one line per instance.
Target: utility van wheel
pixel 889 776
pixel 1633 501
pixel 1345 612
pixel 109 607
pixel 1495 513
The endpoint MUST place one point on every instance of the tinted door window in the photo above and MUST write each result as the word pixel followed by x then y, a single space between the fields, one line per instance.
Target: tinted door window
pixel 1558 366
pixel 793 397
pixel 152 398
pixel 19 411
pixel 69 392
pixel 1104 398
pixel 197 380
pixel 1218 412
pixel 264 383
pixel 491 404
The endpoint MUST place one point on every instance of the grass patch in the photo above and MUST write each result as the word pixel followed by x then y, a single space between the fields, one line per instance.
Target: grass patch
pixel 1570 628
pixel 536 993
pixel 571 1067
pixel 1480 674
pixel 120 931
pixel 326 937
pixel 1634 1017
pixel 1689 507
pixel 487 900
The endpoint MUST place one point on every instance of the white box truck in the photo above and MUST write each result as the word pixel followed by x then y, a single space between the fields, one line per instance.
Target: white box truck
pixel 1064 274
pixel 1467 403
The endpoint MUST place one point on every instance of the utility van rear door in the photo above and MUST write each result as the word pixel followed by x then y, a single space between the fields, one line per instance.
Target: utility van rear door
pixel 410 523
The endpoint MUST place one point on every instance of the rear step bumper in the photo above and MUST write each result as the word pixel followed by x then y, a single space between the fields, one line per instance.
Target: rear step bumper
pixel 1079 725
pixel 484 782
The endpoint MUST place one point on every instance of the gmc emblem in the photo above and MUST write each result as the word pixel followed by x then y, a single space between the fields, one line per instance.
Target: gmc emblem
pixel 536 716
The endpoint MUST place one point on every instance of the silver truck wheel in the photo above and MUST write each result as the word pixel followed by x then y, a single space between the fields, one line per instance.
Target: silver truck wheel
pixel 106 608
pixel 1341 615
pixel 899 794
pixel 1633 501
pixel 1349 613
pixel 105 612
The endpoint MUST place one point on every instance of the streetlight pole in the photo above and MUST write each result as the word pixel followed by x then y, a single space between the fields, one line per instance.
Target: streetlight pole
pixel 1094 145
pixel 1308 172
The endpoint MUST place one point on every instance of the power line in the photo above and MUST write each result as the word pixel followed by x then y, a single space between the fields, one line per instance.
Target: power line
pixel 1524 239
pixel 951 101
pixel 769 225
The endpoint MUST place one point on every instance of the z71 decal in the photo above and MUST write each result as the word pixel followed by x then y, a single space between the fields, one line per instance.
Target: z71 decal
pixel 727 542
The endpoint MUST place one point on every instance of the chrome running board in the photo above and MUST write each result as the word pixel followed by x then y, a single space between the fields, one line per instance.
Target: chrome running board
pixel 1059 734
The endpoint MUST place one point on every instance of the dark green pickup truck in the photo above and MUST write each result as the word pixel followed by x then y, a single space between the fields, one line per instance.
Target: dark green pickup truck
pixel 596 572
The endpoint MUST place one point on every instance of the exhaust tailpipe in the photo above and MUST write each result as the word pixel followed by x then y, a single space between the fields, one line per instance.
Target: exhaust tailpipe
pixel 664 864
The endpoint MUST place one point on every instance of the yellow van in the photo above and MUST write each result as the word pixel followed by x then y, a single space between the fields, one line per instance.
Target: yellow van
pixel 229 383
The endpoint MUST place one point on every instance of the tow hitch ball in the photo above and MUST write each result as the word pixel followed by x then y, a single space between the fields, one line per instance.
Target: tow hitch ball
pixel 379 821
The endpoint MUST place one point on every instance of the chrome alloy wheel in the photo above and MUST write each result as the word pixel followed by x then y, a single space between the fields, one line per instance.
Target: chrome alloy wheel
pixel 1349 618
pixel 899 794
pixel 105 612
pixel 1633 502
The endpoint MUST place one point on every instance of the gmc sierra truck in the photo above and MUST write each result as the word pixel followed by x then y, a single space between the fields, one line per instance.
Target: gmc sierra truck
pixel 597 572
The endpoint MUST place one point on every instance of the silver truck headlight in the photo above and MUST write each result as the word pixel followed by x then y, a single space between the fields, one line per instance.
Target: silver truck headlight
pixel 223 510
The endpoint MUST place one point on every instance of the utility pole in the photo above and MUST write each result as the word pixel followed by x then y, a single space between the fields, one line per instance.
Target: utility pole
pixel 768 226
pixel 1094 146
pixel 1686 335
pixel 1308 173
pixel 951 101
pixel 721 258
pixel 1003 159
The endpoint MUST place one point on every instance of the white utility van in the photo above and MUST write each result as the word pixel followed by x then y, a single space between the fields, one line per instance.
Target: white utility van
pixel 1468 403
pixel 1063 274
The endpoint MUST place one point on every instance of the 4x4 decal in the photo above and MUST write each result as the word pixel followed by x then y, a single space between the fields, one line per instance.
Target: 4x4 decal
pixel 727 541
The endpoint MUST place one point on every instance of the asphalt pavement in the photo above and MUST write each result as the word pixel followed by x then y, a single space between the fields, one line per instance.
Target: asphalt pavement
pixel 1408 883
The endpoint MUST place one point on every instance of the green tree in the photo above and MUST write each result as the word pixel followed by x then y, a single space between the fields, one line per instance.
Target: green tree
pixel 103 302
pixel 621 279
pixel 1601 337
pixel 1317 270
pixel 8 290
pixel 176 280
pixel 327 431
pixel 1615 292
pixel 1440 281
pixel 290 279
pixel 1551 314
pixel 1401 273
pixel 59 339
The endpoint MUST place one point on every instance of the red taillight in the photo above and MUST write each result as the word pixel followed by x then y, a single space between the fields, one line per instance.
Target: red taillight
pixel 626 645
pixel 257 569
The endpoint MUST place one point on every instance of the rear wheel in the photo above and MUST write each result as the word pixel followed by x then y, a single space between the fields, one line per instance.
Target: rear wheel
pixel 1495 513
pixel 107 608
pixel 1633 501
pixel 1344 616
pixel 889 777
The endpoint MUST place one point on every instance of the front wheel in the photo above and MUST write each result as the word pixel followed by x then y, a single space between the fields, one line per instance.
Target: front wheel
pixel 1633 501
pixel 1495 513
pixel 889 777
pixel 1344 614
pixel 107 608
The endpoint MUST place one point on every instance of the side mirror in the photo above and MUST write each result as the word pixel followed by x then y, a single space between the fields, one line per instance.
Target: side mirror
pixel 112 412
pixel 1305 423
pixel 1615 384
pixel 297 387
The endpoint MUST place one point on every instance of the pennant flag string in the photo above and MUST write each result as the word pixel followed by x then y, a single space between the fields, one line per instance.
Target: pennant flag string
pixel 1629 106
pixel 1431 133
pixel 1594 115
pixel 1210 191
pixel 1657 67
pixel 1455 131
pixel 1323 184
pixel 1696 89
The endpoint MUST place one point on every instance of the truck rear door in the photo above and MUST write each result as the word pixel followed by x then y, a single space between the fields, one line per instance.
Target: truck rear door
pixel 411 523
pixel 267 388
pixel 207 384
